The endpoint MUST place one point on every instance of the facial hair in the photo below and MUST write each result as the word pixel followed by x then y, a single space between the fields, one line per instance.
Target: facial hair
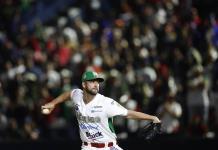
pixel 92 91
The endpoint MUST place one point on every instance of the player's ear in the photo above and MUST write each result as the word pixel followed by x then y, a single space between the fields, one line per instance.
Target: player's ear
pixel 83 84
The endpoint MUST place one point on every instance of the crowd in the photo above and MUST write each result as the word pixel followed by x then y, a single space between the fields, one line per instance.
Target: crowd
pixel 159 57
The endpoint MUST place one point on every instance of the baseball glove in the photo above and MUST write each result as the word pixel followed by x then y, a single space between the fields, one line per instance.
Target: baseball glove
pixel 150 131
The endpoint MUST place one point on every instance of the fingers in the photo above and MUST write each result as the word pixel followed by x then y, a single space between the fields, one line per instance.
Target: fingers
pixel 156 120
pixel 47 108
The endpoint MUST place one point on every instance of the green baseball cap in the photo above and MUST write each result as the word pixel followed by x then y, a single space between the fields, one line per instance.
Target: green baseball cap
pixel 91 75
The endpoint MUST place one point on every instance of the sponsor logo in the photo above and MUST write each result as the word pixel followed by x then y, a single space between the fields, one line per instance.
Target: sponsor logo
pixel 114 102
pixel 76 107
pixel 97 106
pixel 94 135
pixel 88 127
pixel 87 119
pixel 93 111
pixel 96 109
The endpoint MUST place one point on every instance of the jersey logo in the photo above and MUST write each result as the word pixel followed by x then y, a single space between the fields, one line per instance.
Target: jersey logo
pixel 94 135
pixel 94 111
pixel 85 126
pixel 87 119
pixel 91 131
pixel 115 103
pixel 76 107
pixel 97 106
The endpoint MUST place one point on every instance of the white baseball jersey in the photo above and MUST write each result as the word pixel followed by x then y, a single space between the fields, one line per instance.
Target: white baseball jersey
pixel 95 118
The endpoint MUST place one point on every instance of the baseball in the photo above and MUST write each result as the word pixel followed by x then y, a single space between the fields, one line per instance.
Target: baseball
pixel 45 111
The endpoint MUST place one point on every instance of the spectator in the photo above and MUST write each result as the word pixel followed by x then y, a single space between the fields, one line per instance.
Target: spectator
pixel 198 98
pixel 170 112
pixel 142 47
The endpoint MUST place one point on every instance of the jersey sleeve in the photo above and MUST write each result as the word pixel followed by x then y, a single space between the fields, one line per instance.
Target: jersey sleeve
pixel 113 108
pixel 75 94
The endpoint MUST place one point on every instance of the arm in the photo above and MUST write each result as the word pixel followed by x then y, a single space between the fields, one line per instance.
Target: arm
pixel 141 116
pixel 51 105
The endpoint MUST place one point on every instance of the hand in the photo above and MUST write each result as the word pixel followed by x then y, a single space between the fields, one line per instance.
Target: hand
pixel 49 107
pixel 156 120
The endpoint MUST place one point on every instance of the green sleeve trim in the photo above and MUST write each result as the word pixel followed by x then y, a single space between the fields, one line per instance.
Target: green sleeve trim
pixel 111 126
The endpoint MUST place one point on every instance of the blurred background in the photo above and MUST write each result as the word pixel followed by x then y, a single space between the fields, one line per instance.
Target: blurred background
pixel 157 56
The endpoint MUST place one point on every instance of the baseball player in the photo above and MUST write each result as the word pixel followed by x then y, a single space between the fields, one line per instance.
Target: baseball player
pixel 95 113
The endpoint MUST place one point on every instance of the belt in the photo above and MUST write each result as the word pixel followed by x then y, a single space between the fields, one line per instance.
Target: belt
pixel 99 145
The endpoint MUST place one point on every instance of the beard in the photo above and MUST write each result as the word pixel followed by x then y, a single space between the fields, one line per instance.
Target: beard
pixel 92 91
